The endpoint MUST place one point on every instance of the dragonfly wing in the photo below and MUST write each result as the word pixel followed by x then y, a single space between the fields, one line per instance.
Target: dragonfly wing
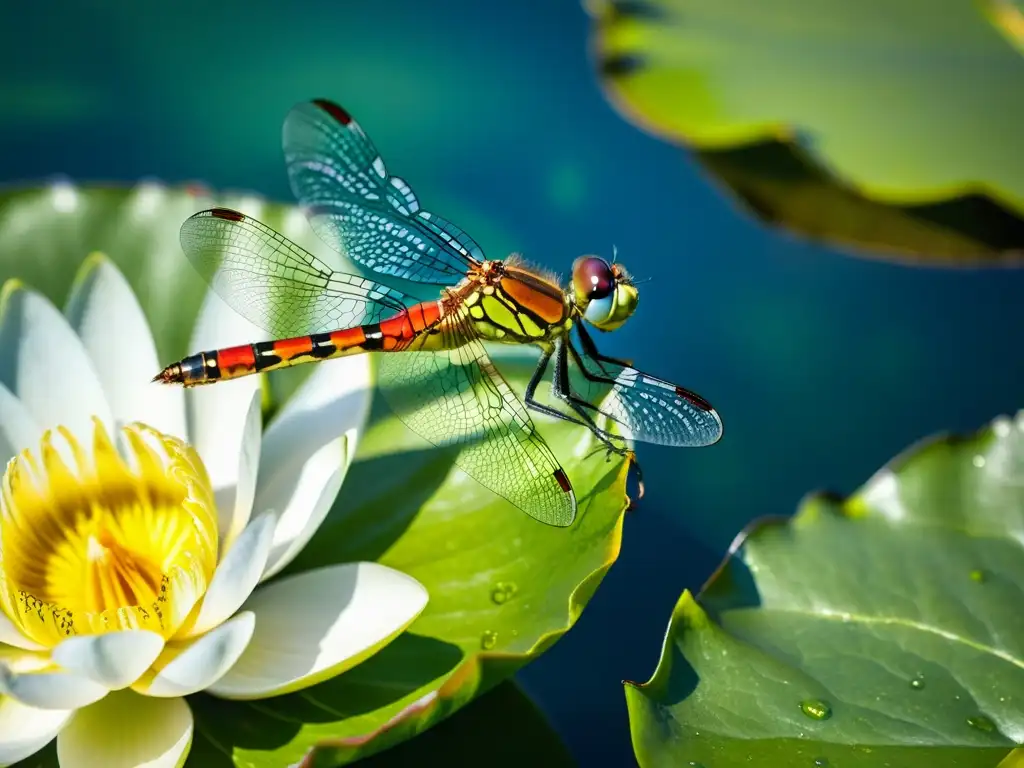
pixel 276 284
pixel 650 410
pixel 457 397
pixel 358 209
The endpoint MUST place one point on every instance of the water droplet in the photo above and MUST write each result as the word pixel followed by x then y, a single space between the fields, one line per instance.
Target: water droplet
pixel 979 461
pixel 917 682
pixel 816 709
pixel 821 762
pixel 981 723
pixel 693 764
pixel 488 639
pixel 978 576
pixel 504 591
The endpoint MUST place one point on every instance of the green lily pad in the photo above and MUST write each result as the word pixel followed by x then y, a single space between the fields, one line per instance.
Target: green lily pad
pixel 503 587
pixel 884 629
pixel 47 231
pixel 888 128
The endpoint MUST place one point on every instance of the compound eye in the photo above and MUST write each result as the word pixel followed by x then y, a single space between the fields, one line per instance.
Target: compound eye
pixel 593 278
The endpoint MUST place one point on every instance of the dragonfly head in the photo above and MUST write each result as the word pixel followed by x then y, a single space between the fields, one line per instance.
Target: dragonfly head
pixel 604 292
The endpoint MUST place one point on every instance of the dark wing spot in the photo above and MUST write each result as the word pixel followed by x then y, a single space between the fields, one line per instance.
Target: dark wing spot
pixel 563 481
pixel 334 110
pixel 226 213
pixel 694 398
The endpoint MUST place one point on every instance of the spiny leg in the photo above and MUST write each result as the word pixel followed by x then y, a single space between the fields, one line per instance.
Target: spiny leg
pixel 562 389
pixel 587 373
pixel 531 389
pixel 592 351
pixel 606 380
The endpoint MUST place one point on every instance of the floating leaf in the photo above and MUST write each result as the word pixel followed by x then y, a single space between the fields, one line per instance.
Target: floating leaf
pixel 856 633
pixel 889 128
pixel 47 231
pixel 403 504
pixel 407 507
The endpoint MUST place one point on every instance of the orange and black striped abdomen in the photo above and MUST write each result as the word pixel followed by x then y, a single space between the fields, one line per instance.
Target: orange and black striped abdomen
pixel 391 334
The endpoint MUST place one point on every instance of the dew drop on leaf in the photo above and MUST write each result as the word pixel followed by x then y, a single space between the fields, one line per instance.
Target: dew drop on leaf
pixel 917 682
pixel 816 709
pixel 504 591
pixel 981 723
pixel 693 764
pixel 488 639
pixel 820 762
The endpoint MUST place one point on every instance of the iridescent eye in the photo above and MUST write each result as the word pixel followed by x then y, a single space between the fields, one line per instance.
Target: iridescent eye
pixel 592 278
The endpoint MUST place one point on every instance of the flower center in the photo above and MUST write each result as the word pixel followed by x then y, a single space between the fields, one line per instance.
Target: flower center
pixel 118 543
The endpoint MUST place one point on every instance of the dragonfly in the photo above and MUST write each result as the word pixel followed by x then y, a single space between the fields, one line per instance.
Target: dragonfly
pixel 432 303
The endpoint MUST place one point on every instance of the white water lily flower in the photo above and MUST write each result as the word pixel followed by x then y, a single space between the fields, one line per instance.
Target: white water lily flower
pixel 130 559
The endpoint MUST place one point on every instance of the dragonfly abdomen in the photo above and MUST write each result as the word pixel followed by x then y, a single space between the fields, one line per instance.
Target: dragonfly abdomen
pixel 391 334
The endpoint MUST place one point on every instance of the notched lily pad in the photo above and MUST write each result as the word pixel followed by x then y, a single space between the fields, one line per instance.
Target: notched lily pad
pixel 888 129
pixel 884 629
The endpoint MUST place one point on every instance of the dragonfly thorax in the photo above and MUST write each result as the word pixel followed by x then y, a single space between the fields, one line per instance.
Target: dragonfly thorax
pixel 512 304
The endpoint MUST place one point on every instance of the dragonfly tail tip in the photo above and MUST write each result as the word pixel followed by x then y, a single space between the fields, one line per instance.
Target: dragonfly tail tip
pixel 172 374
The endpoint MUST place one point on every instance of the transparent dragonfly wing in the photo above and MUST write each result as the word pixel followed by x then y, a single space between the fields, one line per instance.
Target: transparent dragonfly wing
pixel 456 397
pixel 647 409
pixel 355 207
pixel 276 284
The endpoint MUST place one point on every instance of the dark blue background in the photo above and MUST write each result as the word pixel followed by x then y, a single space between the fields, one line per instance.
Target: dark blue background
pixel 823 366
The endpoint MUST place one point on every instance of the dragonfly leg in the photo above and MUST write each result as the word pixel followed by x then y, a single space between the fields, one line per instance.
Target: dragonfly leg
pixel 602 380
pixel 563 391
pixel 587 373
pixel 590 348
pixel 531 389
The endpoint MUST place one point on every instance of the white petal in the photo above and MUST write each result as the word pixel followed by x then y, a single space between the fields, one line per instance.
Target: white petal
pixel 203 661
pixel 317 624
pixel 127 730
pixel 18 430
pixel 217 414
pixel 11 635
pixel 50 689
pixel 334 399
pixel 24 730
pixel 44 364
pixel 115 333
pixel 237 574
pixel 114 660
pixel 234 502
pixel 304 501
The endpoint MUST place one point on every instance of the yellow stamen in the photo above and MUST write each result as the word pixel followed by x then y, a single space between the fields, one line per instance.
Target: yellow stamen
pixel 113 543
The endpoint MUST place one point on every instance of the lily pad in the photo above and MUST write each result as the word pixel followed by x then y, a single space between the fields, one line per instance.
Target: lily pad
pixel 46 231
pixel 503 587
pixel 883 629
pixel 888 128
